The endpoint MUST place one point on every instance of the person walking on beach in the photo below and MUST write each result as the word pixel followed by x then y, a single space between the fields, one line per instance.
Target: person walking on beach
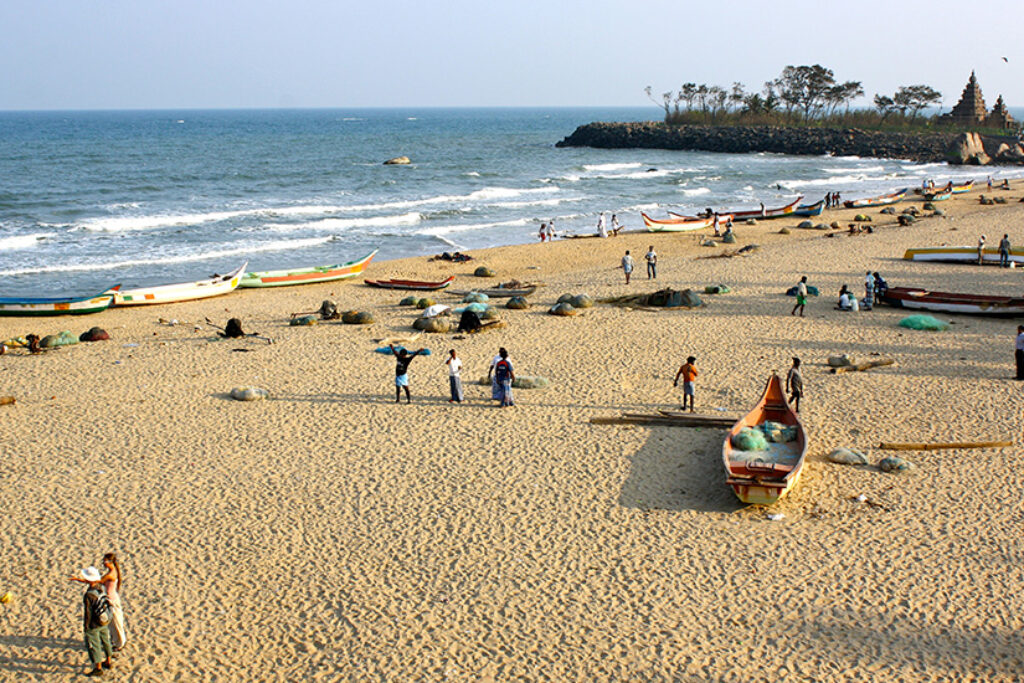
pixel 795 384
pixel 652 263
pixel 454 377
pixel 96 617
pixel 602 230
pixel 543 234
pixel 493 378
pixel 869 291
pixel 715 224
pixel 688 371
pixel 981 250
pixel 402 360
pixel 990 183
pixel 801 296
pixel 1004 252
pixel 551 230
pixel 627 265
pixel 1019 352
pixel 504 376
pixel 615 225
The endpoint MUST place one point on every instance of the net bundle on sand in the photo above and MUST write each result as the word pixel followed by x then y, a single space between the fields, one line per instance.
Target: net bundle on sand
pixel 663 298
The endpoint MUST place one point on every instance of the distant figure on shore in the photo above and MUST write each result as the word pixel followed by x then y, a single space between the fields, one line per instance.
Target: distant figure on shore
pixel 688 371
pixel 880 286
pixel 981 250
pixel 96 617
pixel 551 231
pixel 615 225
pixel 1004 251
pixel 764 211
pixel 493 378
pixel 715 224
pixel 1019 353
pixel 402 360
pixel 652 263
pixel 869 291
pixel 835 199
pixel 795 384
pixel 627 265
pixel 827 200
pixel 801 296
pixel 990 183
pixel 504 376
pixel 1006 184
pixel 844 298
pixel 454 377
pixel 543 234
pixel 602 230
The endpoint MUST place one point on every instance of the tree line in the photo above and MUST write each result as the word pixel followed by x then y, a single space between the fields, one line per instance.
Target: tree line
pixel 801 95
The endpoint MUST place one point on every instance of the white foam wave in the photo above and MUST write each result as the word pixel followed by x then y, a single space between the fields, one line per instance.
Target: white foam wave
pixel 696 191
pixel 610 167
pixel 439 230
pixel 837 180
pixel 854 169
pixel 536 202
pixel 344 223
pixel 23 241
pixel 472 174
pixel 640 207
pixel 277 245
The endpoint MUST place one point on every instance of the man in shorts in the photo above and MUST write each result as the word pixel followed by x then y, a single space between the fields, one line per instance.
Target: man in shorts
pixel 627 265
pixel 801 296
pixel 402 360
pixel 688 371
pixel 795 385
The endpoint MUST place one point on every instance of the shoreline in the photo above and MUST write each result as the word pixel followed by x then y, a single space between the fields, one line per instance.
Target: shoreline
pixel 470 543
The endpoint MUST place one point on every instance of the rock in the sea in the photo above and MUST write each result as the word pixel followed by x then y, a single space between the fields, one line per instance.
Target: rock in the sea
pixel 249 394
pixel 582 301
pixel 425 302
pixel 905 218
pixel 894 463
pixel 805 224
pixel 303 320
pixel 846 456
pixel 840 361
pixel 562 309
pixel 357 317
pixel 408 301
pixel 483 271
pixel 398 161
pixel 967 148
pixel 518 303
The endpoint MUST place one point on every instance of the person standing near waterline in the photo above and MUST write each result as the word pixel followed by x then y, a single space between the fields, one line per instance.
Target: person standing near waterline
pixel 454 377
pixel 801 296
pixel 688 371
pixel 96 616
pixel 602 231
pixel 652 263
pixel 795 384
pixel 402 360
pixel 543 233
pixel 627 265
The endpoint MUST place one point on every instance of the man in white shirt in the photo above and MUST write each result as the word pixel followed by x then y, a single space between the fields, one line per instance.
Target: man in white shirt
pixel 627 265
pixel 455 377
pixel 652 263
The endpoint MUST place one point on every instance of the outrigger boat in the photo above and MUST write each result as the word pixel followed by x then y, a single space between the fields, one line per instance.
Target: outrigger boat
pixel 951 302
pixel 881 200
pixel 762 477
pixel 60 305
pixel 411 284
pixel 183 291
pixel 938 196
pixel 810 209
pixel 500 292
pixel 962 188
pixel 684 223
pixel 779 212
pixel 961 255
pixel 304 276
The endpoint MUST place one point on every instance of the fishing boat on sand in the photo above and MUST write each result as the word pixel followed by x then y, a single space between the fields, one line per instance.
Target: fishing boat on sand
pixel 763 476
pixel 423 285
pixel 778 212
pixel 881 200
pixel 500 292
pixel 684 223
pixel 60 305
pixel 182 291
pixel 963 188
pixel 951 302
pixel 305 276
pixel 814 209
pixel 938 196
pixel 947 254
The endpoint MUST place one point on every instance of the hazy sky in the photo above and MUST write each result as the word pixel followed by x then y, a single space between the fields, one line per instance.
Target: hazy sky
pixel 114 54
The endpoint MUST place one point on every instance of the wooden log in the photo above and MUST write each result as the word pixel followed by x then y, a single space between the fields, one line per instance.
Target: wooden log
pixel 654 421
pixel 860 367
pixel 942 446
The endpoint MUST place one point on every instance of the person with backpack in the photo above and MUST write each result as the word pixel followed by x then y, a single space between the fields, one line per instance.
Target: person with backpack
pixel 96 618
pixel 503 377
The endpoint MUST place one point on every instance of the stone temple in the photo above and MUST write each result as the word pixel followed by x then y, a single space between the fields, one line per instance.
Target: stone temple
pixel 971 111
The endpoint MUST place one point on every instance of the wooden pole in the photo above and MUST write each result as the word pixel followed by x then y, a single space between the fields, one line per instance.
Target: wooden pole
pixel 860 367
pixel 943 446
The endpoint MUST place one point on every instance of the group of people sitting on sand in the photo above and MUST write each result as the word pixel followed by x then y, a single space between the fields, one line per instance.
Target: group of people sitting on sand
pixel 874 288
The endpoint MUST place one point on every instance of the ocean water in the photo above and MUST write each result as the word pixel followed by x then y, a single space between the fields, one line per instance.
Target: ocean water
pixel 91 199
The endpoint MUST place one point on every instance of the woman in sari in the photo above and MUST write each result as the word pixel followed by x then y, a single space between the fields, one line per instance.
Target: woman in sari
pixel 504 376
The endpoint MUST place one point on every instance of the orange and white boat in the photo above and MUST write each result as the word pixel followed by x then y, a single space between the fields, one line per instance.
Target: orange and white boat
pixel 762 477
pixel 684 223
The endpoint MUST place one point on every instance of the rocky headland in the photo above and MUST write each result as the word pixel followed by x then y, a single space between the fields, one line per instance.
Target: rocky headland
pixel 956 148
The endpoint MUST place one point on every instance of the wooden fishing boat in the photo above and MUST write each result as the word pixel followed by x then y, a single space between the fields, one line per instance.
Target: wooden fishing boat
pixel 305 276
pixel 881 200
pixel 182 291
pixel 762 477
pixel 778 212
pixel 951 302
pixel 60 305
pixel 814 209
pixel 500 292
pixel 938 196
pixel 963 188
pixel 961 255
pixel 411 284
pixel 684 223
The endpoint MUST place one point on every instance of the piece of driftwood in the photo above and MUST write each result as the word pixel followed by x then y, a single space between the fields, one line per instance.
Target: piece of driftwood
pixel 942 446
pixel 667 420
pixel 7 400
pixel 860 367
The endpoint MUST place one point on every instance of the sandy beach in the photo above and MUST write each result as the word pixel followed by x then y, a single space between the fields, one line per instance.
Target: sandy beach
pixel 328 534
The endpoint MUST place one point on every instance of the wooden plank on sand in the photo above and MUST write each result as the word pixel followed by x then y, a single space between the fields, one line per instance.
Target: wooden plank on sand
pixel 860 367
pixel 942 446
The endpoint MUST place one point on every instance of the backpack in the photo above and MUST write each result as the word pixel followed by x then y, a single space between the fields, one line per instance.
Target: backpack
pixel 101 608
pixel 501 370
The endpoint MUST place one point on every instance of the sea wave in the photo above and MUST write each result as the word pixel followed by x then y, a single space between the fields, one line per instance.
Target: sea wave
pixel 344 223
pixel 610 167
pixel 854 169
pixel 439 230
pixel 23 241
pixel 696 191
pixel 836 180
pixel 206 254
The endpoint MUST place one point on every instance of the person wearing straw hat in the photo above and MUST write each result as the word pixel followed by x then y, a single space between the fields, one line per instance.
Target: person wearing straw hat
pixel 96 617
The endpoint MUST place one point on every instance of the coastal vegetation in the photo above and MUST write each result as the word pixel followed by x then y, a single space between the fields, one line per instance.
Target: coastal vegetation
pixel 804 96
